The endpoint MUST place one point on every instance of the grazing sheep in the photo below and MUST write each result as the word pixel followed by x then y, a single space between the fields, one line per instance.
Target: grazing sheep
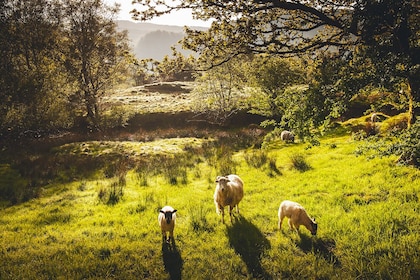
pixel 229 192
pixel 287 136
pixel 297 216
pixel 374 117
pixel 166 221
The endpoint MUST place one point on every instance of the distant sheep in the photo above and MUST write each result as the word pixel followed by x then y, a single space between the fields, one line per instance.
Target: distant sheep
pixel 166 221
pixel 297 216
pixel 287 136
pixel 374 117
pixel 229 192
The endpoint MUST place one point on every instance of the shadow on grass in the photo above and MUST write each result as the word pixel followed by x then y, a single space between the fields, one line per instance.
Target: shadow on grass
pixel 249 242
pixel 323 248
pixel 172 260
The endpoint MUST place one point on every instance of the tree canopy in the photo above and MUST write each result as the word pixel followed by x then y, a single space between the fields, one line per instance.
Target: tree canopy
pixel 387 30
pixel 57 58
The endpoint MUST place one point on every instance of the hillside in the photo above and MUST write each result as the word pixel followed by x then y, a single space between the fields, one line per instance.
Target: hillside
pixel 152 40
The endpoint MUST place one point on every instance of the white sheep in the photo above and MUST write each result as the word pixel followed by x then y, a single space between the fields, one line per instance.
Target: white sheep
pixel 286 135
pixel 166 221
pixel 229 192
pixel 374 117
pixel 297 216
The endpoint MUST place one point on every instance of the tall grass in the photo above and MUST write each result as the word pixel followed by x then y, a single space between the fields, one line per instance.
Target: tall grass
pixel 366 210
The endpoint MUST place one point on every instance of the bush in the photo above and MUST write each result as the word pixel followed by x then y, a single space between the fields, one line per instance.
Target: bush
pixel 405 145
pixel 299 162
pixel 13 188
pixel 260 159
pixel 256 158
pixel 408 146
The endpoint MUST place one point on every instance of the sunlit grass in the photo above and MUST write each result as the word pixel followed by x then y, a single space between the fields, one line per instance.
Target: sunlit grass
pixel 366 210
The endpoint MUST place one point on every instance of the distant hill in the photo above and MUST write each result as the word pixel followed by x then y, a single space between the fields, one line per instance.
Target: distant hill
pixel 153 40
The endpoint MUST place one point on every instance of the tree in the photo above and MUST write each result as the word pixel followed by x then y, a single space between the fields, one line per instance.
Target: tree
pixel 31 78
pixel 387 28
pixel 273 75
pixel 94 52
pixel 56 59
pixel 220 92
pixel 177 67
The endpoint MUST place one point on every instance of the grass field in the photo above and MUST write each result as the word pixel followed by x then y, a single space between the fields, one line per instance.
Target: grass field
pixel 105 226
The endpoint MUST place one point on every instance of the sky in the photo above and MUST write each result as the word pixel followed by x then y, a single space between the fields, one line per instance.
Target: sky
pixel 179 18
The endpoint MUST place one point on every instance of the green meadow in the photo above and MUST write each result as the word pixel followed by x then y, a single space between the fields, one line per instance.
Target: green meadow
pixel 100 222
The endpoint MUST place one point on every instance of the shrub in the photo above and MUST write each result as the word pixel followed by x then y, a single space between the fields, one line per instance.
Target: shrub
pixel 299 162
pixel 260 159
pixel 14 188
pixel 272 168
pixel 408 146
pixel 405 145
pixel 256 158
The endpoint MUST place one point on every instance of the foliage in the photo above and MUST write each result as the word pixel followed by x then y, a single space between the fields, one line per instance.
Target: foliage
pixel 299 163
pixel 273 75
pixel 218 94
pixel 171 68
pixel 57 59
pixel 33 92
pixel 94 52
pixel 386 32
pixel 177 67
pixel 408 147
pixel 13 187
pixel 405 144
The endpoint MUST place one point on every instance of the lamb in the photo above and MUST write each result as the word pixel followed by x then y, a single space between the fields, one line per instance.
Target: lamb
pixel 229 192
pixel 297 216
pixel 287 136
pixel 166 221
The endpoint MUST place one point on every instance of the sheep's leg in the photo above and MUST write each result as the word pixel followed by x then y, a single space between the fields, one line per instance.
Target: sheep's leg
pixel 222 211
pixel 291 224
pixel 280 220
pixel 217 207
pixel 171 237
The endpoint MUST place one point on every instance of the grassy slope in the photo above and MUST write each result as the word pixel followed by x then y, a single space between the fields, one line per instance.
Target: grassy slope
pixel 367 213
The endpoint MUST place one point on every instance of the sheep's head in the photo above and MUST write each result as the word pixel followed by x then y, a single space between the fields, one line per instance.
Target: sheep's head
pixel 222 182
pixel 168 215
pixel 314 227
